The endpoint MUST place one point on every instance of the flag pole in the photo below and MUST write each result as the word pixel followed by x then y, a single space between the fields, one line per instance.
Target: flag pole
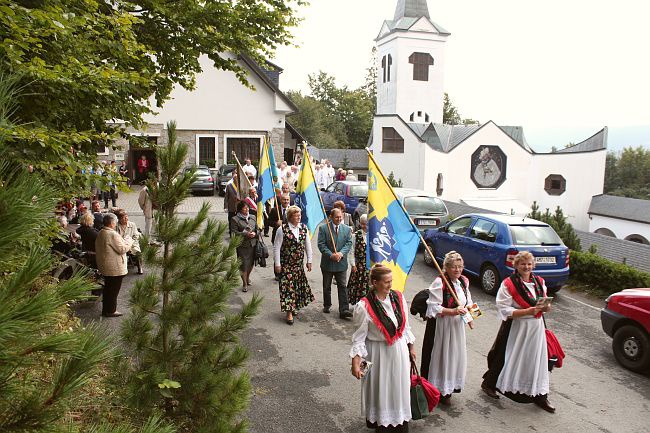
pixel 305 154
pixel 242 170
pixel 442 274
pixel 275 194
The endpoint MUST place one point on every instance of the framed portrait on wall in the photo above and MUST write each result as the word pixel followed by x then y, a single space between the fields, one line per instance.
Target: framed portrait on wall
pixel 488 169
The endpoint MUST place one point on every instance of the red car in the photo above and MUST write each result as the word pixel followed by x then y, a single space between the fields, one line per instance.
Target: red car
pixel 626 318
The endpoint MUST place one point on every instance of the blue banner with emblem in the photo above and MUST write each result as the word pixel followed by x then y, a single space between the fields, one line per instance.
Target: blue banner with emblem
pixel 393 239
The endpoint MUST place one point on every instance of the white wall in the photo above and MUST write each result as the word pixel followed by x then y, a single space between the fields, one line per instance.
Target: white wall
pixel 221 102
pixel 621 228
pixel 407 166
pixel 585 175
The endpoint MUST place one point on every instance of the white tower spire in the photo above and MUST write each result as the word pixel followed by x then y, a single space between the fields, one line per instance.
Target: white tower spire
pixel 410 51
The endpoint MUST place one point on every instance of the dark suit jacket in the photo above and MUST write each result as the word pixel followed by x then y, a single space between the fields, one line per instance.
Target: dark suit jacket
pixel 273 217
pixel 343 245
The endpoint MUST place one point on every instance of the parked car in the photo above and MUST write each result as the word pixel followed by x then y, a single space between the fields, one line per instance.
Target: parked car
pixel 626 318
pixel 426 210
pixel 489 243
pixel 223 176
pixel 348 191
pixel 204 181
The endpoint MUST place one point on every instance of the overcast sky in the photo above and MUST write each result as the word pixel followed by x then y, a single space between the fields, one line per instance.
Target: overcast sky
pixel 563 69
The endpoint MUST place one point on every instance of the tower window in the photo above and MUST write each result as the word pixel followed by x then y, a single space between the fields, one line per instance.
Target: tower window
pixel 421 63
pixel 392 142
pixel 412 117
pixel 386 63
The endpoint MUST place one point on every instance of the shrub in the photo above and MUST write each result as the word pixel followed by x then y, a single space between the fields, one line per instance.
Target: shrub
pixel 604 275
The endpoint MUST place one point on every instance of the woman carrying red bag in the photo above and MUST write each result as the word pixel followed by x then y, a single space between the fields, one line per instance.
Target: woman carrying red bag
pixel 518 364
pixel 384 338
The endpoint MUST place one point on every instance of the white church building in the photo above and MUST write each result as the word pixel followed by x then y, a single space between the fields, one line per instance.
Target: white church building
pixel 488 166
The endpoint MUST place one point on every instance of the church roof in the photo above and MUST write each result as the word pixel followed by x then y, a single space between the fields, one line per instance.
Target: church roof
pixel 411 9
pixel 631 209
pixel 407 13
pixel 598 141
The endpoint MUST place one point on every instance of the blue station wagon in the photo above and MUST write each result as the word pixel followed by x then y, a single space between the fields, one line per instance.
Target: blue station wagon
pixel 347 191
pixel 489 243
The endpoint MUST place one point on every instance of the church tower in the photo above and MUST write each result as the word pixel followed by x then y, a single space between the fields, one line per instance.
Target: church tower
pixel 410 51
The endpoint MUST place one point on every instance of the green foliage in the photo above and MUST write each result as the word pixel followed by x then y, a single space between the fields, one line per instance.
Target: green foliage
pixel 628 174
pixel 395 183
pixel 83 64
pixel 332 116
pixel 559 223
pixel 185 358
pixel 603 275
pixel 451 116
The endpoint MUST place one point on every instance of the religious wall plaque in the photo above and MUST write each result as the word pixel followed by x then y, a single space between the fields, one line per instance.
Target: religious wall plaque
pixel 488 167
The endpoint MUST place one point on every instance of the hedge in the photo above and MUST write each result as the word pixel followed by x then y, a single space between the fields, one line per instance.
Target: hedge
pixel 605 275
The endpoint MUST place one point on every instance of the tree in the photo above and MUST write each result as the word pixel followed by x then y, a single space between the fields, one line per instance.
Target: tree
pixel 628 174
pixel 46 359
pixel 559 223
pixel 451 116
pixel 85 64
pixel 395 183
pixel 185 355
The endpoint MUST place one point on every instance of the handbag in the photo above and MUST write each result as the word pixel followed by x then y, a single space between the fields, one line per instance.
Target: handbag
pixel 419 304
pixel 261 252
pixel 554 349
pixel 424 396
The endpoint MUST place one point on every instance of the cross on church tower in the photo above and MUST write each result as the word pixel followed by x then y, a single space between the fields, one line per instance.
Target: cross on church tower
pixel 410 48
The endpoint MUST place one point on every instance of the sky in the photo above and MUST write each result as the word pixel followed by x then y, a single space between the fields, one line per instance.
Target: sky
pixel 562 69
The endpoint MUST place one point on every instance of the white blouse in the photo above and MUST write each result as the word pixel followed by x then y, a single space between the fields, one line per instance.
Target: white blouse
pixel 277 245
pixel 506 304
pixel 364 331
pixel 434 302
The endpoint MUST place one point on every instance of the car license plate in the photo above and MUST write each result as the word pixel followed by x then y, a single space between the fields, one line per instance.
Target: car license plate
pixel 427 222
pixel 545 260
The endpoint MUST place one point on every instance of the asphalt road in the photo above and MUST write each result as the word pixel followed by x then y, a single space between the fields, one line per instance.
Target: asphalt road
pixel 302 382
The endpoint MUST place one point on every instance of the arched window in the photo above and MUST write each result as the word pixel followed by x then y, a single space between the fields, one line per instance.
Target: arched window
pixel 386 63
pixel 606 232
pixel 421 63
pixel 638 239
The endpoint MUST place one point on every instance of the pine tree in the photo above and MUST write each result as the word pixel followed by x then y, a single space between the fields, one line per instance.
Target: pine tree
pixel 45 359
pixel 185 358
pixel 559 223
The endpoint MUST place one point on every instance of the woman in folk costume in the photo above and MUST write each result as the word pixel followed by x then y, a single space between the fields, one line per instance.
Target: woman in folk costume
pixel 518 364
pixel 289 249
pixel 384 338
pixel 444 352
pixel 360 276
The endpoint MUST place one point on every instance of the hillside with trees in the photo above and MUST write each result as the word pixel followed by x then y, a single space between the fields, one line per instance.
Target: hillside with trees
pixel 627 173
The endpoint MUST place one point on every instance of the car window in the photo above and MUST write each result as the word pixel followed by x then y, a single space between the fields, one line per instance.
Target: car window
pixel 331 187
pixel 484 230
pixel 359 190
pixel 203 172
pixel 423 205
pixel 338 188
pixel 459 226
pixel 534 235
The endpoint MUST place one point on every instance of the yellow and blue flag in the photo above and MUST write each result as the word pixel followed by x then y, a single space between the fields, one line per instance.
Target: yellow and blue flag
pixel 275 173
pixel 308 197
pixel 393 239
pixel 265 190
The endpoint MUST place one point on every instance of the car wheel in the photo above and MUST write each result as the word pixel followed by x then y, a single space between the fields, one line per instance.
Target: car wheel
pixel 490 279
pixel 428 258
pixel 631 347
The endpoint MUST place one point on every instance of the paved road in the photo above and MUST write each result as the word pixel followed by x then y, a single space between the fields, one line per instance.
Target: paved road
pixel 301 379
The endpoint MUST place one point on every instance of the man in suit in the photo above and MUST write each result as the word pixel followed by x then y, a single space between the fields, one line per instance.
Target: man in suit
pixel 335 264
pixel 279 217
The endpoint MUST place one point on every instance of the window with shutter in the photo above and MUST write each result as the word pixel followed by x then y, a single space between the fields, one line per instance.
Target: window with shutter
pixel 392 142
pixel 555 184
pixel 421 63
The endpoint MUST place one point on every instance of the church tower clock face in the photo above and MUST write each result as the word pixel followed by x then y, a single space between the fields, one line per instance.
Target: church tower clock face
pixel 488 170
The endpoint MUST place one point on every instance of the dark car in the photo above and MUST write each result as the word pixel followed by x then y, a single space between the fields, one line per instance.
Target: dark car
pixel 223 176
pixel 626 318
pixel 489 243
pixel 204 182
pixel 348 191
pixel 426 210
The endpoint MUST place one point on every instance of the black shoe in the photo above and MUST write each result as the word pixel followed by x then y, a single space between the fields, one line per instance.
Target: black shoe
pixel 546 405
pixel 346 314
pixel 489 391
pixel 326 310
pixel 445 400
